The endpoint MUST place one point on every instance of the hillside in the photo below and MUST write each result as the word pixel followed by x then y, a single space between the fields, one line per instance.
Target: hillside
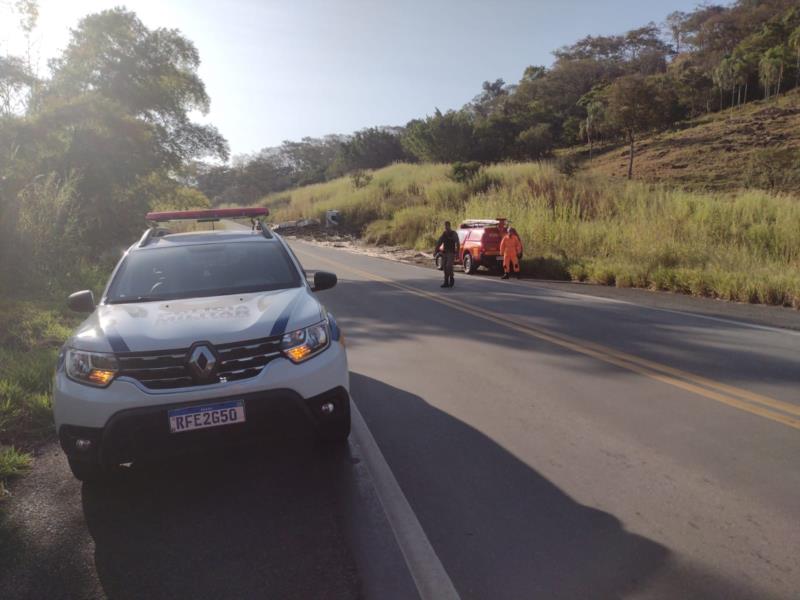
pixel 721 151
pixel 743 246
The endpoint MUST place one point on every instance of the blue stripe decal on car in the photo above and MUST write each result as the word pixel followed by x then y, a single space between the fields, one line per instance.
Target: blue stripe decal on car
pixel 279 328
pixel 336 333
pixel 115 340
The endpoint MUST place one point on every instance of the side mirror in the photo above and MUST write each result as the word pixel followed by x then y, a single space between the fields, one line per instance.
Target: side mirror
pixel 324 281
pixel 81 301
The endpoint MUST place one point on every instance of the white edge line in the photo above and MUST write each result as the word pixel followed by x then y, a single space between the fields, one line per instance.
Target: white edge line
pixel 430 577
pixel 567 293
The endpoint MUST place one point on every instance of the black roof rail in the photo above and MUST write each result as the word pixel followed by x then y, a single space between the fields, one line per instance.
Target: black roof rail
pixel 258 224
pixel 152 232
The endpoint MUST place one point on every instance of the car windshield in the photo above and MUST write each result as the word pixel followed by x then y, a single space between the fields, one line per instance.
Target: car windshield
pixel 202 270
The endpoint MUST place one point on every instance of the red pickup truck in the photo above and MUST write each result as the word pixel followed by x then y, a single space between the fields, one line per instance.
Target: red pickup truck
pixel 480 245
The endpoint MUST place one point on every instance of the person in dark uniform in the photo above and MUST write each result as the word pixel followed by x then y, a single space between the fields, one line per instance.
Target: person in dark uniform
pixel 450 244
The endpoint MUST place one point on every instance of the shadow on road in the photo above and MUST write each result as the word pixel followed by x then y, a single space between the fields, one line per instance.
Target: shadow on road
pixel 720 351
pixel 260 520
pixel 501 529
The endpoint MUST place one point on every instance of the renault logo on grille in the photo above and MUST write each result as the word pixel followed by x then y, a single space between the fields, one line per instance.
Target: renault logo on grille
pixel 202 363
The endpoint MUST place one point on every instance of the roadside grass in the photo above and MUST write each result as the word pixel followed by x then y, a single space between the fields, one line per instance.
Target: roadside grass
pixel 30 336
pixel 12 464
pixel 742 246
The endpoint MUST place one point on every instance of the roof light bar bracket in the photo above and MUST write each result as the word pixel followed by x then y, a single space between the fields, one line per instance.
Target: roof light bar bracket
pixel 154 231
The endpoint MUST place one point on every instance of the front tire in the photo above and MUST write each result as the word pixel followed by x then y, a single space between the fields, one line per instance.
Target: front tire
pixel 469 265
pixel 439 261
pixel 88 472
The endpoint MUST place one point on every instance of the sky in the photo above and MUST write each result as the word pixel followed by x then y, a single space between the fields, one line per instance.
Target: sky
pixel 286 69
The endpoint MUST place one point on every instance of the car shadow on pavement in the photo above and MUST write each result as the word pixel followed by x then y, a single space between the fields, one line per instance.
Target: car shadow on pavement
pixel 260 520
pixel 501 529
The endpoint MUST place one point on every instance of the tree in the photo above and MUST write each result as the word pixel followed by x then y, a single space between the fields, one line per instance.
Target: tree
pixel 28 13
pixel 594 117
pixel 635 104
pixel 370 148
pixel 443 137
pixel 149 74
pixel 536 141
pixel 311 159
pixel 591 126
pixel 675 23
pixel 741 77
pixel 732 73
pixel 533 72
pixel 770 70
pixel 491 91
pixel 16 83
pixel 724 78
pixel 794 43
pixel 114 116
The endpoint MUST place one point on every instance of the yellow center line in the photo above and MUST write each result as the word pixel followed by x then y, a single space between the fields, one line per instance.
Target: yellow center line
pixel 729 395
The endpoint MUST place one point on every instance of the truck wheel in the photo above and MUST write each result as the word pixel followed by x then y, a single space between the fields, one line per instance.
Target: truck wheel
pixel 88 472
pixel 469 265
pixel 439 262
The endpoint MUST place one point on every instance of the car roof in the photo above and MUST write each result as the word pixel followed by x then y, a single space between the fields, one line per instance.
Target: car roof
pixel 223 236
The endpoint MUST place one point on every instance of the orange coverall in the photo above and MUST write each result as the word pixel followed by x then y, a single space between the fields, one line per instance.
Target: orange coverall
pixel 511 247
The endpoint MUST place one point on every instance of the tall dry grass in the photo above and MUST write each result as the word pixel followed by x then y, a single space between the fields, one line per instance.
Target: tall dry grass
pixel 743 246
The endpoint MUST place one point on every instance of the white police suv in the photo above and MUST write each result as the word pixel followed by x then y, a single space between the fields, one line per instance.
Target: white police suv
pixel 199 337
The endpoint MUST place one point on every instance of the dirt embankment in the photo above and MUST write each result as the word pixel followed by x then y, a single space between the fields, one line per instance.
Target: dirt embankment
pixel 716 153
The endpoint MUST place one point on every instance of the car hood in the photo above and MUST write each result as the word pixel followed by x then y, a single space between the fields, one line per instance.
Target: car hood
pixel 174 324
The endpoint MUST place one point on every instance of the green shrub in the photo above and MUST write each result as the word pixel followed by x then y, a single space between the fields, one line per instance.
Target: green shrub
pixel 567 164
pixel 463 172
pixel 775 169
pixel 12 462
pixel 360 178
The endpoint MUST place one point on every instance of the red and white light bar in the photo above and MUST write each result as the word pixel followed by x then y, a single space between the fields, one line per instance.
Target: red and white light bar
pixel 210 214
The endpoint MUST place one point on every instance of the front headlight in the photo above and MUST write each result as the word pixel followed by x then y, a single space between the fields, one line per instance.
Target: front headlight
pixel 92 368
pixel 302 344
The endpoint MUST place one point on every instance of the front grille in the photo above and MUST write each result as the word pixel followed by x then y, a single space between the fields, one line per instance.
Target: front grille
pixel 166 369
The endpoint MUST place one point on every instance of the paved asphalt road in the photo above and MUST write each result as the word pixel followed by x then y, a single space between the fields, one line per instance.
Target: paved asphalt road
pixel 551 445
pixel 589 449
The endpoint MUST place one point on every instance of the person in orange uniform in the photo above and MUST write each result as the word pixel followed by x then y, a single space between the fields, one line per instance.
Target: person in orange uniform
pixel 511 247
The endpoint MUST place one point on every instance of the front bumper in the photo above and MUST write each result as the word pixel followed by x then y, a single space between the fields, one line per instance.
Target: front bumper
pixel 143 433
pixel 86 406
